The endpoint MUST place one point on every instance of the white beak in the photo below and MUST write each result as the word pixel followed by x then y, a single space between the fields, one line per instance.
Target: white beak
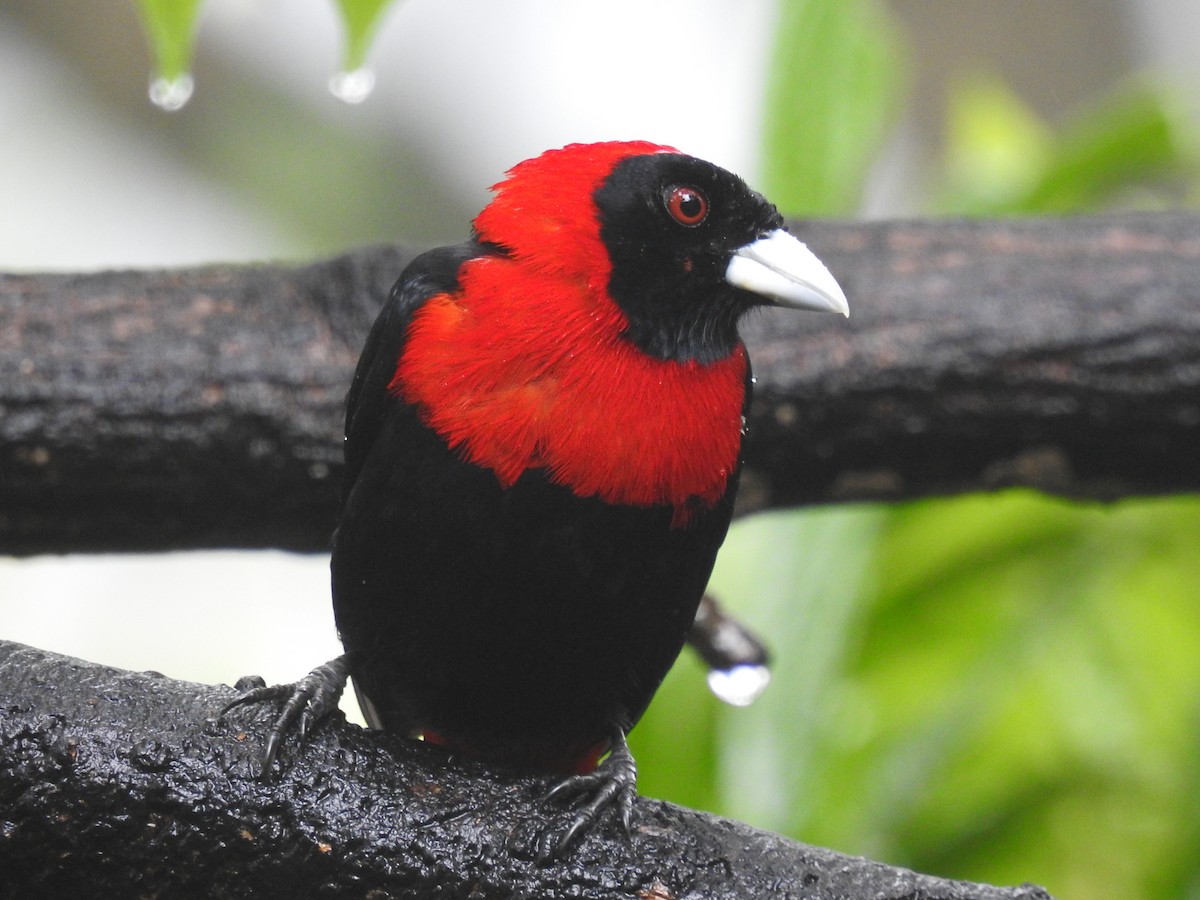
pixel 781 269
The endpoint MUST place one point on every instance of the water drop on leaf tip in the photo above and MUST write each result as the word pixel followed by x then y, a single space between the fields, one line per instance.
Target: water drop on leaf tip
pixel 354 86
pixel 171 94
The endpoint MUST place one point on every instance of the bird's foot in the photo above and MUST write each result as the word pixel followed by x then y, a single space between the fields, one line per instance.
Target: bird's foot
pixel 613 783
pixel 306 702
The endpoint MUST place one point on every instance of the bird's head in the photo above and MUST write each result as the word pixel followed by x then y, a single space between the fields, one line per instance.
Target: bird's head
pixel 682 247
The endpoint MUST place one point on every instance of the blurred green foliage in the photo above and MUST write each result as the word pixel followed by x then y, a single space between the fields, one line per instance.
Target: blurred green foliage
pixel 1004 687
pixel 1131 148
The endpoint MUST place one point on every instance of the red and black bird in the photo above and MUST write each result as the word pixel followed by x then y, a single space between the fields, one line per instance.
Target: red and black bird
pixel 542 448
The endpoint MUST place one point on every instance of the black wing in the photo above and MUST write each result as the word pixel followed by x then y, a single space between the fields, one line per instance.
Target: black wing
pixel 431 273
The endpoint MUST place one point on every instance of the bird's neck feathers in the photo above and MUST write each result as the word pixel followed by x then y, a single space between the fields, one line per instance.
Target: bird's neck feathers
pixel 547 202
pixel 526 369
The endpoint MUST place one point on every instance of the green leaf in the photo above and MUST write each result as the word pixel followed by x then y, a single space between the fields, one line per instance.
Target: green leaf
pixel 361 18
pixel 1001 159
pixel 1025 673
pixel 996 146
pixel 834 88
pixel 171 27
pixel 1135 136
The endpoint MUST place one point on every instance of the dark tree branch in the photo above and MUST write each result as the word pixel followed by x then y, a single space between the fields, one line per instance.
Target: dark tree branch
pixel 116 784
pixel 201 408
pixel 1058 354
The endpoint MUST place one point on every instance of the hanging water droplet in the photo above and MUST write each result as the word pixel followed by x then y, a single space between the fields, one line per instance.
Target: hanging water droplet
pixel 171 94
pixel 739 686
pixel 354 86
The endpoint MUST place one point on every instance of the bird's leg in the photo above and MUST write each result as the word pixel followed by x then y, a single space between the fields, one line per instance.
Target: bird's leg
pixel 306 702
pixel 614 781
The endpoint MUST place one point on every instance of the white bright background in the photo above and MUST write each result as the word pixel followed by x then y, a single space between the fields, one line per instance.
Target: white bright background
pixel 92 177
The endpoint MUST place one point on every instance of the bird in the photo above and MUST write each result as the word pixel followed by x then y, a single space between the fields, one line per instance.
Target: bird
pixel 543 440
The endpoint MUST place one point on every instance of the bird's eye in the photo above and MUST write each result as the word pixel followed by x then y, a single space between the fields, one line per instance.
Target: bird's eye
pixel 686 205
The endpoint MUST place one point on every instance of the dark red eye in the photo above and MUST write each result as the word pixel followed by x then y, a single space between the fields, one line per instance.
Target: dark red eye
pixel 687 205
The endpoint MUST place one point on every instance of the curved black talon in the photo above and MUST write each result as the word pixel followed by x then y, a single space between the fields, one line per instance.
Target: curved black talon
pixel 613 782
pixel 307 702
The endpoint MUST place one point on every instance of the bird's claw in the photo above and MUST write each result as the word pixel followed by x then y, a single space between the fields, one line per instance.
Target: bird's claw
pixel 614 782
pixel 306 702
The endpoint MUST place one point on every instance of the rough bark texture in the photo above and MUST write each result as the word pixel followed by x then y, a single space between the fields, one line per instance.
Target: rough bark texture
pixel 1059 354
pixel 201 408
pixel 179 409
pixel 118 784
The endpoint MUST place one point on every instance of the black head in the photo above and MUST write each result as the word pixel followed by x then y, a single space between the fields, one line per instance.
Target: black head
pixel 671 224
pixel 685 248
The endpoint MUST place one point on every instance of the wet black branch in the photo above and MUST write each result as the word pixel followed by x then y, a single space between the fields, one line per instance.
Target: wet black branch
pixel 202 407
pixel 118 784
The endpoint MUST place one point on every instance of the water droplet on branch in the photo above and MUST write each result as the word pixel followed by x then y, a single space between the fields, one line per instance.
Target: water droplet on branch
pixel 741 685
